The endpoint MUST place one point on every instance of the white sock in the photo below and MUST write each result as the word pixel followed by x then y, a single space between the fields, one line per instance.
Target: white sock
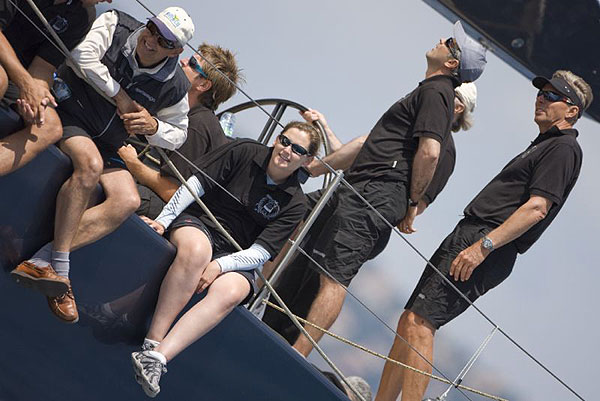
pixel 151 343
pixel 159 356
pixel 42 257
pixel 60 263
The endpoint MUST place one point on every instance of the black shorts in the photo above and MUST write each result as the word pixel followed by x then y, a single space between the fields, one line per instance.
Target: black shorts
pixel 151 204
pixel 220 246
pixel 438 303
pixel 352 233
pixel 110 157
pixel 10 120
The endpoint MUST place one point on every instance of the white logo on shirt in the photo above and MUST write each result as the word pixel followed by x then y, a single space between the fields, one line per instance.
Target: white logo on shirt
pixel 267 207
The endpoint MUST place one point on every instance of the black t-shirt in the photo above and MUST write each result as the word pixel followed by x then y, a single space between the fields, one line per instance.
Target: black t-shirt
pixel 443 171
pixel 70 20
pixel 549 167
pixel 268 214
pixel 204 135
pixel 390 147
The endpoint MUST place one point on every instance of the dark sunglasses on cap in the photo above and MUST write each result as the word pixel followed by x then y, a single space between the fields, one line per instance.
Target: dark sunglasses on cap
pixel 451 44
pixel 555 97
pixel 162 41
pixel 297 149
pixel 193 62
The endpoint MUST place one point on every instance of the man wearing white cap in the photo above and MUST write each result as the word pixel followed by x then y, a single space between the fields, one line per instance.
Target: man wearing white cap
pixel 137 66
pixel 505 219
pixel 392 172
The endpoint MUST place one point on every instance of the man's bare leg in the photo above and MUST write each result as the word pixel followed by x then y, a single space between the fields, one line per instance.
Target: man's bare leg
pixel 323 312
pixel 21 147
pixel 194 252
pixel 419 333
pixel 74 195
pixel 122 200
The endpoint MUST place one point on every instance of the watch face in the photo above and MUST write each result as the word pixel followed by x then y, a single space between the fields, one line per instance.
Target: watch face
pixel 487 243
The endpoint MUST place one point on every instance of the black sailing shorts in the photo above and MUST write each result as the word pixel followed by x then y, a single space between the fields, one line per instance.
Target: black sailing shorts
pixel 434 300
pixel 220 246
pixel 353 233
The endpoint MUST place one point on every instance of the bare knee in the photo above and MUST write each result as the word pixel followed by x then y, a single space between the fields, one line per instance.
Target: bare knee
pixel 3 82
pixel 87 170
pixel 233 292
pixel 51 131
pixel 124 203
pixel 191 259
pixel 412 325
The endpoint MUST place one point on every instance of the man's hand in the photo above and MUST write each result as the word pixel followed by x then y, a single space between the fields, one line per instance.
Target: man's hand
pixel 465 262
pixel 406 225
pixel 155 226
pixel 34 98
pixel 212 271
pixel 128 154
pixel 312 115
pixel 139 121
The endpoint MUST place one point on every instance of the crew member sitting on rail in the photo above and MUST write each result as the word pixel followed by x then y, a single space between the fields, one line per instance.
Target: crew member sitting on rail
pixel 260 205
pixel 135 65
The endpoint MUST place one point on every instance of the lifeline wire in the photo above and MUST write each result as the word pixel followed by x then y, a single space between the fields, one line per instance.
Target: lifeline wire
pixel 343 181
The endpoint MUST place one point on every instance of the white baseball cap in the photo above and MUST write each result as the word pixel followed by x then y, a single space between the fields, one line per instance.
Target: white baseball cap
pixel 175 24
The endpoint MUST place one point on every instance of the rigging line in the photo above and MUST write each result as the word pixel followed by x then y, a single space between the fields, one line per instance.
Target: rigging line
pixel 385 357
pixel 361 303
pixel 259 273
pixel 68 56
pixel 238 87
pixel 469 364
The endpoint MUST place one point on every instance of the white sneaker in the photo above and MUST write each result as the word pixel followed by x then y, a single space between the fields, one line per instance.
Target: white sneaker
pixel 148 368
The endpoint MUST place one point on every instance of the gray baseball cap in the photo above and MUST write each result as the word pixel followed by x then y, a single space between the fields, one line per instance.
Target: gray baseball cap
pixel 472 55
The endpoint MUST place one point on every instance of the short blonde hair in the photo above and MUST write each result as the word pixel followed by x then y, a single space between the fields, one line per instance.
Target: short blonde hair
pixel 226 64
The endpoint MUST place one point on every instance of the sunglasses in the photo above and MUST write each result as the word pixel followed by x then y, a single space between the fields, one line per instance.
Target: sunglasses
pixel 193 62
pixel 162 41
pixel 554 97
pixel 451 44
pixel 297 149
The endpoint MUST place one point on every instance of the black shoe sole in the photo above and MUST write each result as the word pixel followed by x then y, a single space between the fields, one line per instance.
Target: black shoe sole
pixel 49 288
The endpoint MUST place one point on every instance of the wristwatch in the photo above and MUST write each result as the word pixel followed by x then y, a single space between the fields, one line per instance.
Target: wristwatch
pixel 412 203
pixel 487 243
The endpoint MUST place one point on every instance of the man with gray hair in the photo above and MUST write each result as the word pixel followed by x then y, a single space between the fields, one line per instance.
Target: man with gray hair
pixel 503 220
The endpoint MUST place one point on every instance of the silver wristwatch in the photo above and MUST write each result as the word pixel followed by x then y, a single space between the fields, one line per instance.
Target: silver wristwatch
pixel 487 243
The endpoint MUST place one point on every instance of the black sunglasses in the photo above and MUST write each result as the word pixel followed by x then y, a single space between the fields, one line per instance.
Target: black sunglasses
pixel 451 44
pixel 297 149
pixel 554 97
pixel 193 62
pixel 162 41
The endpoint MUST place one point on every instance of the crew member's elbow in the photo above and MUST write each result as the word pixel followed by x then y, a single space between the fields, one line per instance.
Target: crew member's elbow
pixel 539 208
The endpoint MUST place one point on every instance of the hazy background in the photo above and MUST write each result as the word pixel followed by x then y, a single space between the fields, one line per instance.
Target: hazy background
pixel 352 60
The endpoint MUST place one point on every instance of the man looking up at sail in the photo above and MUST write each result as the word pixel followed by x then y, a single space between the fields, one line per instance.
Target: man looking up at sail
pixel 392 172
pixel 28 60
pixel 503 220
pixel 137 66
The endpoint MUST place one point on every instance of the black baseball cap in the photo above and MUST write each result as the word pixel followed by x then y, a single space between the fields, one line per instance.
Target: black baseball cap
pixel 561 86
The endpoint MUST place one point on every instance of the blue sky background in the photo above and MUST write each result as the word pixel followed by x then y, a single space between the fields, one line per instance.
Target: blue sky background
pixel 352 60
